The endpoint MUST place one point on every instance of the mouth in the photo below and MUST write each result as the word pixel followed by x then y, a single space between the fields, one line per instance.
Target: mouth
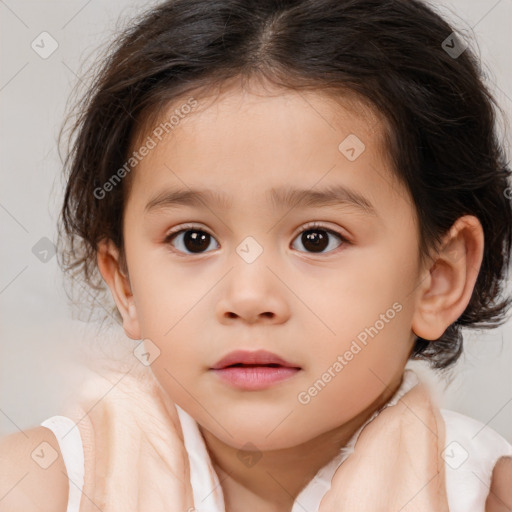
pixel 258 358
pixel 252 371
pixel 238 365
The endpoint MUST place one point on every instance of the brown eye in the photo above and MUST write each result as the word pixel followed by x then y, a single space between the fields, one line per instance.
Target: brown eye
pixel 317 239
pixel 193 241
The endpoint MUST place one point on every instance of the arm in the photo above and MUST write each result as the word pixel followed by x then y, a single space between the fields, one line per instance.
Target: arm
pixel 500 492
pixel 24 483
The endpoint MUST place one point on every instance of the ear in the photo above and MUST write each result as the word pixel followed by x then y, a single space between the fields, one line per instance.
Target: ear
pixel 117 280
pixel 446 288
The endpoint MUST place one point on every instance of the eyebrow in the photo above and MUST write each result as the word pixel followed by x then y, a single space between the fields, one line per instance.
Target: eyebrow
pixel 282 197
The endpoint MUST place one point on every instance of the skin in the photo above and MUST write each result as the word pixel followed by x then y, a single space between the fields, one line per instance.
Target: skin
pixel 305 306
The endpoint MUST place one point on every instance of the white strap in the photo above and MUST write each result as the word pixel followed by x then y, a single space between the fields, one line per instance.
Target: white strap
pixel 70 443
pixel 206 487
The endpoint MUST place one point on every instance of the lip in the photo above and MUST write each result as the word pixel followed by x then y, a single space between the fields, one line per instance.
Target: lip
pixel 257 357
pixel 255 370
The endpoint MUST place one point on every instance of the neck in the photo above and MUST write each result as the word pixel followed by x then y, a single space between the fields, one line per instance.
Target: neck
pixel 274 481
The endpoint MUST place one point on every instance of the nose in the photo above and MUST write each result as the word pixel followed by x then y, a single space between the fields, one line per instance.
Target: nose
pixel 253 293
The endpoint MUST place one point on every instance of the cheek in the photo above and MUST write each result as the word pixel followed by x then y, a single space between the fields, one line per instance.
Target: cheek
pixel 165 294
pixel 348 376
pixel 367 285
pixel 369 313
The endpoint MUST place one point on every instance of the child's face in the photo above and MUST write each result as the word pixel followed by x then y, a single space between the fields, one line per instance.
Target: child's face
pixel 310 308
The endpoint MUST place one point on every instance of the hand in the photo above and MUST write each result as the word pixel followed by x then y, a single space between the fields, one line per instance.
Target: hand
pixel 500 492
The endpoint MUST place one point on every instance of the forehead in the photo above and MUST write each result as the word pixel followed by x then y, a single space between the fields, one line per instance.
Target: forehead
pixel 239 91
pixel 261 137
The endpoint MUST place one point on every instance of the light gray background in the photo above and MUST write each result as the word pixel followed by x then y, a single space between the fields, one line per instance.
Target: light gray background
pixel 41 339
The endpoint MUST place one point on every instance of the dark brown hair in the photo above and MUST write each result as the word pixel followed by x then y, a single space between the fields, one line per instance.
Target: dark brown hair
pixel 442 136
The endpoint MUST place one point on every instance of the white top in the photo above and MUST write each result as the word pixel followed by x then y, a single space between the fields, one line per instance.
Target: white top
pixel 472 449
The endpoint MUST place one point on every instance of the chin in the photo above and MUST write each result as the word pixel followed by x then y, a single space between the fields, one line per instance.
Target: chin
pixel 263 436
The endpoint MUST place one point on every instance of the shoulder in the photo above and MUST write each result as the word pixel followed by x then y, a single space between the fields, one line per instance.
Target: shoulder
pixel 474 439
pixel 471 452
pixel 32 472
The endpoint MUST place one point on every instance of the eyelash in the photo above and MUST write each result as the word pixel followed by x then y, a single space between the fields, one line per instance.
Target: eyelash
pixel 308 227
